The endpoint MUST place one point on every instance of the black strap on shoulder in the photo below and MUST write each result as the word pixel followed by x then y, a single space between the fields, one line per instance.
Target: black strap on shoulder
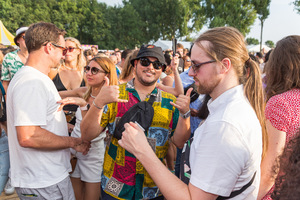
pixel 237 192
pixel 152 99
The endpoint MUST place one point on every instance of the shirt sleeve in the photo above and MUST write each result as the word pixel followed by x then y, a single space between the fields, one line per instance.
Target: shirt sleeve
pixel 30 103
pixel 279 113
pixel 105 116
pixel 4 70
pixel 174 121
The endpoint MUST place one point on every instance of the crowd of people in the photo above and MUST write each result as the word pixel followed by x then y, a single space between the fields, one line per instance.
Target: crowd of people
pixel 224 124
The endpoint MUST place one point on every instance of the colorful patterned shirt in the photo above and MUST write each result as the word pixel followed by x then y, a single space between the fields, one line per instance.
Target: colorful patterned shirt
pixel 123 175
pixel 11 64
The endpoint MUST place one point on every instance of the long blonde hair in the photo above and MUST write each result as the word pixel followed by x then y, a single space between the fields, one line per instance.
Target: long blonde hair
pixel 228 42
pixel 81 61
pixel 108 66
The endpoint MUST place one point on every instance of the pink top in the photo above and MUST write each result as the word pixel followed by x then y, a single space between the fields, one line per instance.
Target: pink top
pixel 283 111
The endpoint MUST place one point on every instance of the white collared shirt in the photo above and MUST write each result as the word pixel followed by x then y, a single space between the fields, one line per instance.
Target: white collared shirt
pixel 227 147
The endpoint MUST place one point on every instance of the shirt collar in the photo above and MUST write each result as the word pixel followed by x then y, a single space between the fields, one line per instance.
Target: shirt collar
pixel 226 97
pixel 130 88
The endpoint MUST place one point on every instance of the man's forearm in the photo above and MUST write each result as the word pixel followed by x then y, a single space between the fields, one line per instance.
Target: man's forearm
pixel 90 124
pixel 182 132
pixel 39 138
pixel 170 186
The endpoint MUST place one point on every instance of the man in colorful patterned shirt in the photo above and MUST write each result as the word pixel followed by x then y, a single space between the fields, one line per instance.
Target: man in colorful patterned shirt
pixel 123 176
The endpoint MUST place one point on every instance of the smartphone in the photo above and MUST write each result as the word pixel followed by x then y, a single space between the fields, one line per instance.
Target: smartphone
pixel 174 43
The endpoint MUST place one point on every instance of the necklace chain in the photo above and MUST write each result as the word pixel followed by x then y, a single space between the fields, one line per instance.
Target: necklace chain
pixel 69 68
pixel 92 96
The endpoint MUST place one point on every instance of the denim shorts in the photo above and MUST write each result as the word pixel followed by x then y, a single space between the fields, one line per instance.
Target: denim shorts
pixel 4 160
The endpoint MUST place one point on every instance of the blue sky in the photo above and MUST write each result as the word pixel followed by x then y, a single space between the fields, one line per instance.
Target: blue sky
pixel 282 21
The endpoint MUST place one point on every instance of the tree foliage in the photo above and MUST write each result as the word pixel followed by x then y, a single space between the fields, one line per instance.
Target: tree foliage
pixel 134 23
pixel 252 41
pixel 297 5
pixel 162 19
pixel 236 13
pixel 270 43
pixel 262 8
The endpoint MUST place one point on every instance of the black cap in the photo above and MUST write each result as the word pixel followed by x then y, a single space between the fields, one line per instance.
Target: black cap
pixel 150 51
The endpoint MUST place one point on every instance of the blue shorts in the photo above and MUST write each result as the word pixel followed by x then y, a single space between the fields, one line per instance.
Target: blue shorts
pixel 4 160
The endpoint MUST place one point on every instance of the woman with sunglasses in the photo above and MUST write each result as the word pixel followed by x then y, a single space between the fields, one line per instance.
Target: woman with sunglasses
pixel 187 62
pixel 86 177
pixel 69 75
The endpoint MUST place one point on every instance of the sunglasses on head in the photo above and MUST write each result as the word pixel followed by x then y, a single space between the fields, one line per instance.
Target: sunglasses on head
pixel 156 64
pixel 94 70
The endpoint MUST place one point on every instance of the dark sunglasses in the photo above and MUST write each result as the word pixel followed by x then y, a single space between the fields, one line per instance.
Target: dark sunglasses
pixel 23 36
pixel 195 67
pixel 156 64
pixel 71 49
pixel 64 49
pixel 94 70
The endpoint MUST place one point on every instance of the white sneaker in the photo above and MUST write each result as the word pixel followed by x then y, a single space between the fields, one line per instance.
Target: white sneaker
pixel 9 190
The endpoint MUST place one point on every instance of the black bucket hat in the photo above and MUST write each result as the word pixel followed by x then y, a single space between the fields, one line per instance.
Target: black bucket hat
pixel 150 51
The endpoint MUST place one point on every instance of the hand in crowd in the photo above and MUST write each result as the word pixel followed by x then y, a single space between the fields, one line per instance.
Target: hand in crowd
pixel 81 145
pixel 108 94
pixel 134 139
pixel 175 62
pixel 71 100
pixel 183 102
pixel 194 112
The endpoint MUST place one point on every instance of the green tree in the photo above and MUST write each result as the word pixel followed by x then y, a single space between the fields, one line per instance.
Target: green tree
pixel 236 13
pixel 64 16
pixel 125 27
pixel 262 8
pixel 92 25
pixel 163 19
pixel 194 15
pixel 297 5
pixel 12 14
pixel 251 41
pixel 269 43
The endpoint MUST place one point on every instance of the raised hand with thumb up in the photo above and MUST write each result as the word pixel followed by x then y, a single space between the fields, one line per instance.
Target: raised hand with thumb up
pixel 183 102
pixel 108 94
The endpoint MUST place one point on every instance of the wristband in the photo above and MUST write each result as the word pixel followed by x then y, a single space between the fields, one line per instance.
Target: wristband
pixel 96 105
pixel 185 115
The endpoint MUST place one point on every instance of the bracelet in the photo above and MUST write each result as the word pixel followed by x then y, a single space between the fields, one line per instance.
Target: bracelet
pixel 185 115
pixel 96 105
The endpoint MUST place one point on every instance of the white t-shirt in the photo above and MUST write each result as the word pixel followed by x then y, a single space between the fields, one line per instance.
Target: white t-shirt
pixel 227 147
pixel 32 101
